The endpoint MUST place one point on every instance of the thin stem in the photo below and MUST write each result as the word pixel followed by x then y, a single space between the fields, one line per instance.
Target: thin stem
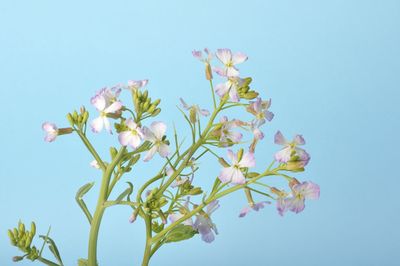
pixel 213 94
pixel 91 149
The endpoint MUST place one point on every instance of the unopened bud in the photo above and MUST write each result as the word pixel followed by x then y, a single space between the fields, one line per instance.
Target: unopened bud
pixel 223 162
pixel 156 112
pixel 240 154
pixel 209 75
pixel 17 258
pixel 70 119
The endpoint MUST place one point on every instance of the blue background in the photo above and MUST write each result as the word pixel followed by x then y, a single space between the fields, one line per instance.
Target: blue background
pixel 331 68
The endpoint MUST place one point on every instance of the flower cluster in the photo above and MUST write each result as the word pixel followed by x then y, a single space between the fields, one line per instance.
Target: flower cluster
pixel 173 203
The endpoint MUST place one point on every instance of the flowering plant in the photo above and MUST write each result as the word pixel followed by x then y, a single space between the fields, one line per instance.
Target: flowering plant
pixel 172 203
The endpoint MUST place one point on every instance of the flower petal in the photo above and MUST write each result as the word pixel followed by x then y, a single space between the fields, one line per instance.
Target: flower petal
pixel 279 138
pixel 124 137
pixel 163 150
pixel 114 107
pixel 238 58
pixel 159 129
pixel 238 177
pixel 226 174
pixel 97 124
pixel 224 55
pixel 150 153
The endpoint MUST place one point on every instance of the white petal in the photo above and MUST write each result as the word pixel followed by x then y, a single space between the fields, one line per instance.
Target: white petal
pixel 97 124
pixel 221 89
pixel 226 174
pixel 159 129
pixel 280 139
pixel 224 55
pixel 238 58
pixel 163 150
pixel 150 154
pixel 248 160
pixel 124 137
pixel 115 106
pixel 232 72
pixel 107 125
pixel 99 102
pixel 238 177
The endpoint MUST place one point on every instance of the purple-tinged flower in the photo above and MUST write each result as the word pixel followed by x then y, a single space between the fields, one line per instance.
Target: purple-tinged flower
pixel 233 174
pixel 290 149
pixel 51 131
pixel 224 131
pixel 134 85
pixel 255 206
pixel 106 103
pixel 301 192
pixel 133 136
pixel 230 87
pixel 156 136
pixel 204 224
pixel 194 111
pixel 206 60
pixel 259 109
pixel 173 217
pixel 229 60
pixel 199 55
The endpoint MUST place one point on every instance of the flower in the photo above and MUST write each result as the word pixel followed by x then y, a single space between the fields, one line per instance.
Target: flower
pixel 204 224
pixel 224 131
pixel 206 60
pixel 295 201
pixel 173 217
pixel 51 131
pixel 301 192
pixel 199 55
pixel 178 180
pixel 231 86
pixel 254 206
pixel 290 149
pixel 136 84
pixel 233 173
pixel 194 111
pixel 156 136
pixel 259 109
pixel 133 136
pixel 106 103
pixel 229 60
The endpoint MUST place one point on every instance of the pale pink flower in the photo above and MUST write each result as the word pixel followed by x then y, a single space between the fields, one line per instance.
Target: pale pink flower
pixel 233 174
pixel 105 101
pixel 204 224
pixel 229 60
pixel 230 87
pixel 173 217
pixel 226 133
pixel 259 109
pixel 290 149
pixel 131 137
pixel 194 111
pixel 301 192
pixel 199 55
pixel 256 207
pixel 156 135
pixel 51 131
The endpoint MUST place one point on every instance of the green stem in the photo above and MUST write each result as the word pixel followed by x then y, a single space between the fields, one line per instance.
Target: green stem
pixel 213 93
pixel 147 249
pixel 92 150
pixel 100 208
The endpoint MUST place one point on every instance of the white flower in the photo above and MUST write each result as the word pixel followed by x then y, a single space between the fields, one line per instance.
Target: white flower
pixel 133 136
pixel 156 136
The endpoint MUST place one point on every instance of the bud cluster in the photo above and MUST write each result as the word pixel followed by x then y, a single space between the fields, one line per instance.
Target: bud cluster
pixel 22 238
pixel 143 104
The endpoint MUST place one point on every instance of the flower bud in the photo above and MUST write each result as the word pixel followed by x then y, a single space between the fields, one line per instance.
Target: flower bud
pixel 209 75
pixel 223 162
pixel 33 228
pixel 70 120
pixel 64 131
pixel 17 258
pixel 156 112
pixel 240 155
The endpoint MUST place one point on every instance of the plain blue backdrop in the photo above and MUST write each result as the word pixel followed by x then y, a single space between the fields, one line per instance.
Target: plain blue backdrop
pixel 332 69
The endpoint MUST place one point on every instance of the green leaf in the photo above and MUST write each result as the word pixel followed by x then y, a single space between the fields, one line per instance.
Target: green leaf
pixel 127 193
pixel 180 233
pixel 53 248
pixel 79 199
